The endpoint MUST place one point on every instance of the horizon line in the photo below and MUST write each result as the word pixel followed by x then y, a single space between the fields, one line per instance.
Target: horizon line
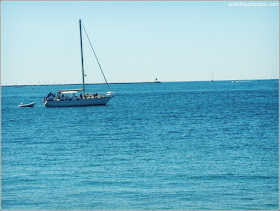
pixel 135 82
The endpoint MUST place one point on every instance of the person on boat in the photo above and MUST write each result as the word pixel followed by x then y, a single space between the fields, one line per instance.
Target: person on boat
pixel 87 95
pixel 58 94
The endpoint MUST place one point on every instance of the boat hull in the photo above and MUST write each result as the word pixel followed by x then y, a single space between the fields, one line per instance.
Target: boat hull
pixel 83 102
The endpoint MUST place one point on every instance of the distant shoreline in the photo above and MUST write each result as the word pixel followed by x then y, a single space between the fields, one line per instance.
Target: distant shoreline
pixel 136 82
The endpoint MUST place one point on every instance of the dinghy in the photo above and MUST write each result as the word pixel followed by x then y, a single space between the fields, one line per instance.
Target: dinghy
pixel 26 105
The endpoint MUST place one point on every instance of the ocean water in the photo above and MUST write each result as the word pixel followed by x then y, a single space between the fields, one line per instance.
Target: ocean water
pixel 183 145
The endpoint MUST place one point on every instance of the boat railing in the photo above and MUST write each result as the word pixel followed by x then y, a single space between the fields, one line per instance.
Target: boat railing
pixel 75 96
pixel 110 94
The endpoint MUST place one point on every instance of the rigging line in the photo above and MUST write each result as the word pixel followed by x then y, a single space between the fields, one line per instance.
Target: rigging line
pixel 96 57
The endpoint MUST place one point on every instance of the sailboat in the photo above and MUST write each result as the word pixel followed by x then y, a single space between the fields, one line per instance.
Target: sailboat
pixel 212 80
pixel 69 97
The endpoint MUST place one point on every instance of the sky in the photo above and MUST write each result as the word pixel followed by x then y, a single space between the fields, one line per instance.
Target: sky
pixel 137 41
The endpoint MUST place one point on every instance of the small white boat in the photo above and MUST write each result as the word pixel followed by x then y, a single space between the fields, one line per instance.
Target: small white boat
pixel 26 105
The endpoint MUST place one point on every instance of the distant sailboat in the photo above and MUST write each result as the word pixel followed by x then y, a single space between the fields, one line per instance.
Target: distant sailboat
pixel 212 80
pixel 67 98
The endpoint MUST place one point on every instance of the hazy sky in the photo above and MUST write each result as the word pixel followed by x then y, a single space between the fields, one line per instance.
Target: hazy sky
pixel 137 41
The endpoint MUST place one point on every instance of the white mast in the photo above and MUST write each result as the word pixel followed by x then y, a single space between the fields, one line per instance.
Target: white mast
pixel 83 74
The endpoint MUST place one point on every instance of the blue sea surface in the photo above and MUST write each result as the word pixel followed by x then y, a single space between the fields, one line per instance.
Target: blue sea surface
pixel 173 145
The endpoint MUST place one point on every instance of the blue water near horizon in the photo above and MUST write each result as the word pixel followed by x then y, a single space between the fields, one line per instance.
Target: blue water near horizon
pixel 177 145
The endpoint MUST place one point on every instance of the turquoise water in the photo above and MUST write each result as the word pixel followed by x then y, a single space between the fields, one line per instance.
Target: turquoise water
pixel 184 145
